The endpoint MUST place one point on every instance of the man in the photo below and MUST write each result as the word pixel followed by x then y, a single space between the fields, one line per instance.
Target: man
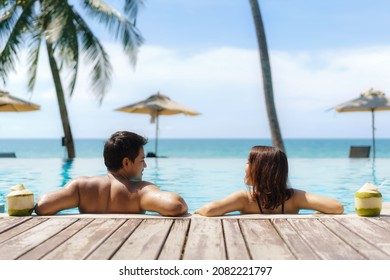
pixel 120 191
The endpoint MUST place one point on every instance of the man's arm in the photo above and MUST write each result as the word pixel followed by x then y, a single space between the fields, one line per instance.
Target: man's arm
pixel 164 203
pixel 65 198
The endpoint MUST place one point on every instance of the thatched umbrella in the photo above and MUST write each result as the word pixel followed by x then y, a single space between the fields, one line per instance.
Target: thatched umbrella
pixel 369 101
pixel 9 103
pixel 155 106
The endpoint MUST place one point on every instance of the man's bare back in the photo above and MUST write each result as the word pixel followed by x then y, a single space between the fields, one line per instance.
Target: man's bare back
pixel 120 191
pixel 107 194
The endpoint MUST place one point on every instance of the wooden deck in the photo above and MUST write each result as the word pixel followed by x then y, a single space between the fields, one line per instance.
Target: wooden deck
pixel 123 237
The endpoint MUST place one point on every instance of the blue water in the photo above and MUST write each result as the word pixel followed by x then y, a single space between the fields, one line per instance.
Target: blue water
pixel 196 148
pixel 200 170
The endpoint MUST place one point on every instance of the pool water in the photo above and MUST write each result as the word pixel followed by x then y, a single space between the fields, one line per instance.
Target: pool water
pixel 201 181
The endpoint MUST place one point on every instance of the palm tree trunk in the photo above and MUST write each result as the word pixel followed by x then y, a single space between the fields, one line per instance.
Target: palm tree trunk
pixel 61 103
pixel 277 140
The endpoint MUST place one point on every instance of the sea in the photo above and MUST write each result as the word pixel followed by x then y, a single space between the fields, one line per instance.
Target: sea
pixel 196 148
pixel 201 170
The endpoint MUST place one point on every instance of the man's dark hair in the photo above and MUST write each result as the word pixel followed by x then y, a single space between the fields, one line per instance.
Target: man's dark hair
pixel 120 145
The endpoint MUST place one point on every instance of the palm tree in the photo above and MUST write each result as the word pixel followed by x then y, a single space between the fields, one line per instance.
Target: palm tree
pixel 267 78
pixel 56 23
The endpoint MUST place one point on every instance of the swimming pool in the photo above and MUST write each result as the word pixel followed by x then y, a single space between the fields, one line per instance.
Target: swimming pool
pixel 203 180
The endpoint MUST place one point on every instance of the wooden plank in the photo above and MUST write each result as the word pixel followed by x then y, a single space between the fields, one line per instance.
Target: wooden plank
pixel 28 239
pixel 12 220
pixel 297 245
pixel 9 222
pixel 208 238
pixel 235 243
pixel 174 244
pixel 5 219
pixel 146 241
pixel 80 245
pixel 382 222
pixel 52 243
pixel 20 228
pixel 115 241
pixel 325 243
pixel 205 240
pixel 386 218
pixel 263 241
pixel 359 244
pixel 372 233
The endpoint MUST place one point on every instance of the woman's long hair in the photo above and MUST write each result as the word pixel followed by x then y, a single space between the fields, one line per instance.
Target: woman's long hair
pixel 268 172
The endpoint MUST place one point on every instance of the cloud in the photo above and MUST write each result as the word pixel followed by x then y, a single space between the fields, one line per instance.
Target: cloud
pixel 308 84
pixel 224 84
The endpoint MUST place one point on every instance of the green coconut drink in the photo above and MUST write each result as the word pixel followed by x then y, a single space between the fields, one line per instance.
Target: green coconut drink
pixel 20 201
pixel 368 201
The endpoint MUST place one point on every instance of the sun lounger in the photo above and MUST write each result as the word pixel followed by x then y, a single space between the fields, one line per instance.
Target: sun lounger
pixel 359 151
pixel 7 155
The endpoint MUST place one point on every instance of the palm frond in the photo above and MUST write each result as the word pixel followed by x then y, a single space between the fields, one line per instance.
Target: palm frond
pixel 131 8
pixel 101 6
pixel 54 18
pixel 123 29
pixel 8 19
pixel 5 4
pixel 61 33
pixel 9 53
pixel 6 9
pixel 66 47
pixel 33 55
pixel 95 54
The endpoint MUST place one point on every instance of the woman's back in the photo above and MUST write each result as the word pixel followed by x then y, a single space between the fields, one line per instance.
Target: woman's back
pixel 299 200
pixel 266 172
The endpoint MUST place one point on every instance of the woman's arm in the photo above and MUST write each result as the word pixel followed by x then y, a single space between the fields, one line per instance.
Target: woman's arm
pixel 305 200
pixel 234 202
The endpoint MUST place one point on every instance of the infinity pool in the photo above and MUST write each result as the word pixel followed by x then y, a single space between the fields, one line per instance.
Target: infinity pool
pixel 203 180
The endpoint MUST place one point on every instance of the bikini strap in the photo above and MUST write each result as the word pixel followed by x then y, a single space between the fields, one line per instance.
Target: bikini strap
pixel 259 204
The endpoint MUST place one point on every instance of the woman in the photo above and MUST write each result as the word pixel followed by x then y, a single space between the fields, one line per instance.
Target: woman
pixel 267 172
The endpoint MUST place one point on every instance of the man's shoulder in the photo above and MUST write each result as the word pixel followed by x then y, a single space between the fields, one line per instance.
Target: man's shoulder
pixel 148 185
pixel 89 181
pixel 89 178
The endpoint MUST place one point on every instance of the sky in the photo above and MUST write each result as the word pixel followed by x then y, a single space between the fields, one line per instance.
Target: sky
pixel 203 54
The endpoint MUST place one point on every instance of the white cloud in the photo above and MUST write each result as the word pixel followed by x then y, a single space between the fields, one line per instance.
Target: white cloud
pixel 224 84
pixel 306 88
